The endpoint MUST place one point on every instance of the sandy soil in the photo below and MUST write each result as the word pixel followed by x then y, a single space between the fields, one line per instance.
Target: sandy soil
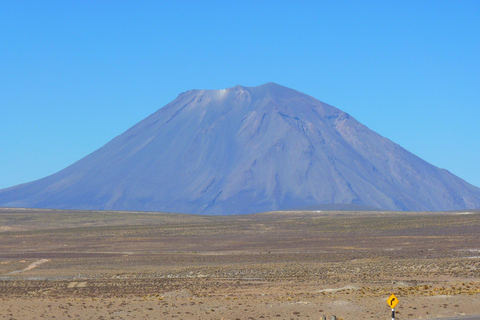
pixel 94 265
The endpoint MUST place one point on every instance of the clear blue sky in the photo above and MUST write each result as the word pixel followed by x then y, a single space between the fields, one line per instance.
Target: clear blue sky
pixel 75 74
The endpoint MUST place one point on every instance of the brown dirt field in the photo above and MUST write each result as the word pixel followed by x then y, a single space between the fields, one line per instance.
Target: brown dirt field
pixel 281 265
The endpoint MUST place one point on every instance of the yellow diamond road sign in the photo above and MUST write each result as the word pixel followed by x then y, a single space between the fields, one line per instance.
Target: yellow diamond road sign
pixel 392 301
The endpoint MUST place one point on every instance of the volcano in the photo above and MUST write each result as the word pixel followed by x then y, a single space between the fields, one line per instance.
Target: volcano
pixel 244 150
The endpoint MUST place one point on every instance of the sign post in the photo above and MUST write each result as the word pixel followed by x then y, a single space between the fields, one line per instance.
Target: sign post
pixel 392 302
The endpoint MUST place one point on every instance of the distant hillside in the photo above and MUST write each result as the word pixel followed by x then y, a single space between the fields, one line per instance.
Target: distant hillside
pixel 245 150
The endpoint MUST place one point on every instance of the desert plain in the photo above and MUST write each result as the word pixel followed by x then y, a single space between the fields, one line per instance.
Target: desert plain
pixel 57 264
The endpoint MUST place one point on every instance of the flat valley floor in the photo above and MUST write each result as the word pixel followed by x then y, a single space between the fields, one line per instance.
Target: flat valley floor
pixel 279 265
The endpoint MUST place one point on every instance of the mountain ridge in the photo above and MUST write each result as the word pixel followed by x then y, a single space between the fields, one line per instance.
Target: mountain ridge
pixel 245 150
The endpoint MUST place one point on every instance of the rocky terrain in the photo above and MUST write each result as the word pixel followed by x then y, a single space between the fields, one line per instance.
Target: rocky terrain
pixel 276 265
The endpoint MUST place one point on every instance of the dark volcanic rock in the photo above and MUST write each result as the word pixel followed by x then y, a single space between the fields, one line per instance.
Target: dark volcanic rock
pixel 244 150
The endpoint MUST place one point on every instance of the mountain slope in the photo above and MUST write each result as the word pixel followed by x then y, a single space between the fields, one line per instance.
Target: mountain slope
pixel 244 150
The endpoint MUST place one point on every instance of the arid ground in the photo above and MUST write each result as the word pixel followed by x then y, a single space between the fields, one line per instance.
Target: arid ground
pixel 278 265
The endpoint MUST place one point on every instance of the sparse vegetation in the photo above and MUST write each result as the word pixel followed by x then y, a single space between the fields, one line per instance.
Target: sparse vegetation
pixel 264 266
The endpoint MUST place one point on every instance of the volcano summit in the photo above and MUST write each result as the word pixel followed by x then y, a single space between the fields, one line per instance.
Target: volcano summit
pixel 245 150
